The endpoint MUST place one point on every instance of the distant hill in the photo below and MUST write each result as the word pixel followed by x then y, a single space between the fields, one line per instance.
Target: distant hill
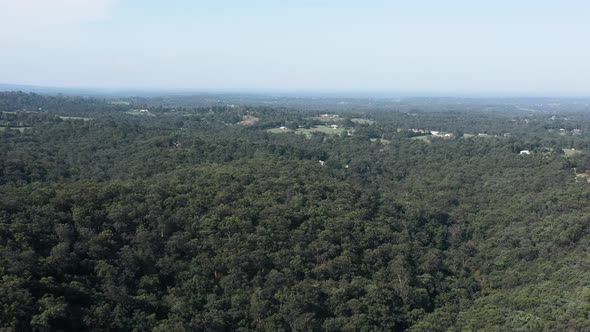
pixel 46 89
pixel 80 91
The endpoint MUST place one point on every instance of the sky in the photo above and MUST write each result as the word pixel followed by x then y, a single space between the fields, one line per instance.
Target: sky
pixel 422 46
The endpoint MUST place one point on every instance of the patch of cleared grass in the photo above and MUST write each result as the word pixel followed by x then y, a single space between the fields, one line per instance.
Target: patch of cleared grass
pixel 249 120
pixel 383 140
pixel 582 177
pixel 319 129
pixel 363 121
pixel 279 131
pixel 571 152
pixel 74 118
pixel 356 120
pixel 424 138
pixel 21 129
pixel 137 112
pixel 310 131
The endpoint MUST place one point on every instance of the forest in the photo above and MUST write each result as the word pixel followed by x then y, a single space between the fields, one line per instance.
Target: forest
pixel 254 213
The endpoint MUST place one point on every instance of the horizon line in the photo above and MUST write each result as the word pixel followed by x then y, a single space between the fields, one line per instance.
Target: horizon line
pixel 335 92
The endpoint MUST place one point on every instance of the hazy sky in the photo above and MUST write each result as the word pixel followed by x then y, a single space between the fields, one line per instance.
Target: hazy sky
pixel 500 46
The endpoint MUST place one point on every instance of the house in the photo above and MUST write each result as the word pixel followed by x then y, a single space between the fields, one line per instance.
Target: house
pixel 283 128
pixel 436 133
pixel 525 152
pixel 334 126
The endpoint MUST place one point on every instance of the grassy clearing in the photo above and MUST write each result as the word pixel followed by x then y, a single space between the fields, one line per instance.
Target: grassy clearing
pixel 355 120
pixel 424 138
pixel 249 120
pixel 363 121
pixel 310 131
pixel 480 136
pixel 126 103
pixel 319 129
pixel 582 177
pixel 318 118
pixel 279 131
pixel 138 112
pixel 571 152
pixel 74 118
pixel 527 109
pixel 383 140
pixel 21 129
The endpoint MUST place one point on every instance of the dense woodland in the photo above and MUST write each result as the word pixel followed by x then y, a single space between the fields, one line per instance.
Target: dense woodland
pixel 185 217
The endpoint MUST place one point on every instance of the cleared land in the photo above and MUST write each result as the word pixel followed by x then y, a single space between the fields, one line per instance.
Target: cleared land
pixel 571 152
pixel 21 129
pixel 279 131
pixel 74 118
pixel 319 129
pixel 138 112
pixel 307 132
pixel 582 177
pixel 249 120
pixel 356 120
pixel 425 138
pixel 383 140
pixel 363 121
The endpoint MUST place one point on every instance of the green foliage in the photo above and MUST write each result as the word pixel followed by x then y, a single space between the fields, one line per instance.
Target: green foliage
pixel 186 221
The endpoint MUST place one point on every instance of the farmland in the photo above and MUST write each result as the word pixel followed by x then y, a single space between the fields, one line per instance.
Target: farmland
pixel 309 131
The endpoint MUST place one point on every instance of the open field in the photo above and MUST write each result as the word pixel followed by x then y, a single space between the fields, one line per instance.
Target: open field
pixel 249 120
pixel 279 131
pixel 363 121
pixel 74 118
pixel 571 152
pixel 582 177
pixel 304 131
pixel 424 138
pixel 138 112
pixel 319 129
pixel 480 136
pixel 319 118
pixel 356 120
pixel 383 140
pixel 21 129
